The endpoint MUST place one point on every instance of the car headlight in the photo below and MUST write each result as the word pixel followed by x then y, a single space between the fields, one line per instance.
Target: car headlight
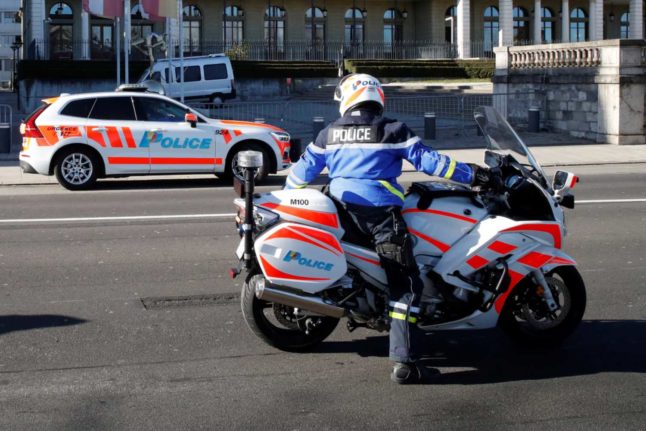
pixel 281 136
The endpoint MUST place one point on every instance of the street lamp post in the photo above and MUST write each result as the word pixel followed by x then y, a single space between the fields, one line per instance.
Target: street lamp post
pixel 15 46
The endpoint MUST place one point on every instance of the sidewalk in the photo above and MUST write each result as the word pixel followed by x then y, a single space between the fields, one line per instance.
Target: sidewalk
pixel 555 155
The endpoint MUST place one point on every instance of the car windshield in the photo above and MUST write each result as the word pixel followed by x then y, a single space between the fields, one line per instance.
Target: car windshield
pixel 144 75
pixel 502 139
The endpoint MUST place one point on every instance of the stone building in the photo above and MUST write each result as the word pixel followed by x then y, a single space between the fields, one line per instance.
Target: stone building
pixel 9 29
pixel 327 29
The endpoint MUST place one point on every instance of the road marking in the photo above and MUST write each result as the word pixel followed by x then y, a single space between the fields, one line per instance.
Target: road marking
pixel 123 218
pixel 609 201
pixel 225 215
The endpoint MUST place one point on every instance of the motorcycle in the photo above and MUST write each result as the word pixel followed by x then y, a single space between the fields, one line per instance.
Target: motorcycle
pixel 495 254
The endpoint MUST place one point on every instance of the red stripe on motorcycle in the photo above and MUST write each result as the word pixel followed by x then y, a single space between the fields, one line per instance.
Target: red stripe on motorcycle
pixel 327 219
pixel 561 261
pixel 535 259
pixel 440 245
pixel 291 234
pixel 324 237
pixel 477 262
pixel 552 229
pixel 501 247
pixel 273 272
pixel 365 259
pixel 443 214
pixel 514 279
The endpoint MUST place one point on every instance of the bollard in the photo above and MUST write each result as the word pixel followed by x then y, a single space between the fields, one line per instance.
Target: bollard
pixel 295 150
pixel 318 124
pixel 258 120
pixel 5 138
pixel 429 125
pixel 533 120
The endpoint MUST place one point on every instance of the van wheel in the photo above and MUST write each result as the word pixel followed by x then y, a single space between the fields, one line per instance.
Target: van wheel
pixel 217 100
pixel 232 168
pixel 76 169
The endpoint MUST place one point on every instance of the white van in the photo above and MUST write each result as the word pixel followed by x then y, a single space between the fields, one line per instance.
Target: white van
pixel 205 76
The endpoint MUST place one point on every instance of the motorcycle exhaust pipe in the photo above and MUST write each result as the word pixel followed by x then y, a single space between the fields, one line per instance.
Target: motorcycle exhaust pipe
pixel 313 304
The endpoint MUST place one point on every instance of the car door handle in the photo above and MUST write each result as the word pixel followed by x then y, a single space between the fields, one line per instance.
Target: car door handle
pixel 158 130
pixel 100 129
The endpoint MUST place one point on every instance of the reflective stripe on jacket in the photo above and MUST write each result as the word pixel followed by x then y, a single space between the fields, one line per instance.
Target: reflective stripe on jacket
pixel 363 153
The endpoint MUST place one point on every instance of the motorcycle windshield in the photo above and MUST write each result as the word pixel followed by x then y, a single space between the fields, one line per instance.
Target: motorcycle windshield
pixel 502 139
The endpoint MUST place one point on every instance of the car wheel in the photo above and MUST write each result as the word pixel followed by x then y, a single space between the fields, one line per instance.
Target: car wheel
pixel 232 168
pixel 76 169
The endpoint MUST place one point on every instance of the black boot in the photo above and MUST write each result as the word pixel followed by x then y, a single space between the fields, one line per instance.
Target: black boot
pixel 406 373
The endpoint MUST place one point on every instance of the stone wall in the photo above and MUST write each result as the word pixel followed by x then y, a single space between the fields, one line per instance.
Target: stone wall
pixel 594 90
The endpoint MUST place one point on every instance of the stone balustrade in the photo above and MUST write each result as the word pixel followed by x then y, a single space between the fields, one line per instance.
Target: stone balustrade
pixel 555 57
pixel 595 90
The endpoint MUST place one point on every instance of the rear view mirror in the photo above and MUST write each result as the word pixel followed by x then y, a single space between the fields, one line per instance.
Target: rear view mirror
pixel 191 119
pixel 563 180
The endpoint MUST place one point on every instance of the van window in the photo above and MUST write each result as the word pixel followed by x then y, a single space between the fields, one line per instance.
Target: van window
pixel 191 73
pixel 166 74
pixel 215 71
pixel 113 108
pixel 78 108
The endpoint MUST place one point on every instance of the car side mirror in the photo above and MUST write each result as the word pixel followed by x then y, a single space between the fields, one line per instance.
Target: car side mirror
pixel 191 119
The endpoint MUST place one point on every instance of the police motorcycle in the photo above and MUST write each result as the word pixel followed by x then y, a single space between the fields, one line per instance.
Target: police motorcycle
pixel 495 254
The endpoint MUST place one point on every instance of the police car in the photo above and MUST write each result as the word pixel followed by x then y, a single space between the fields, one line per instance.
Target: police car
pixel 82 137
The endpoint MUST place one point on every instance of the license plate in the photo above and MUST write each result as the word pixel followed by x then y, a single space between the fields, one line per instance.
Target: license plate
pixel 240 249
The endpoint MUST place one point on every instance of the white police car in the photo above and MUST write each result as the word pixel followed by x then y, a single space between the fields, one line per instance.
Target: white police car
pixel 82 137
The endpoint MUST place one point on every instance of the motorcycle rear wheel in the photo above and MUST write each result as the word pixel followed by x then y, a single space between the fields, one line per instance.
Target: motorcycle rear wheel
pixel 525 317
pixel 276 325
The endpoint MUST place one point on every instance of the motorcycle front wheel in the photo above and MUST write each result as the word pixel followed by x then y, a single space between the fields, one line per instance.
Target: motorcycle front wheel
pixel 278 325
pixel 526 318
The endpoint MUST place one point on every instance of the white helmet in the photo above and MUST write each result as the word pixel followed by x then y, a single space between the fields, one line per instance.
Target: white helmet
pixel 358 88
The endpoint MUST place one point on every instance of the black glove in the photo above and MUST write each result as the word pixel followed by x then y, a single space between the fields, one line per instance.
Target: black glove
pixel 481 175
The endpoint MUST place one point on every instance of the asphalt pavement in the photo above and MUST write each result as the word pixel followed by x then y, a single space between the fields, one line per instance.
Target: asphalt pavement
pixel 116 313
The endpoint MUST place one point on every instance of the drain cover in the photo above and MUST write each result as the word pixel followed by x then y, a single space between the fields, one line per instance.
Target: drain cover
pixel 157 302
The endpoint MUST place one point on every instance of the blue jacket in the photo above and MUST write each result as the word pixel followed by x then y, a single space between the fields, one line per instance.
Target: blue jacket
pixel 363 153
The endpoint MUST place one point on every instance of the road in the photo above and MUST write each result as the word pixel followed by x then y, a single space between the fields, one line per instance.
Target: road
pixel 132 323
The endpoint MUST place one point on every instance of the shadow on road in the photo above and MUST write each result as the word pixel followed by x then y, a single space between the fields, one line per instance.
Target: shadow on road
pixel 23 322
pixel 598 346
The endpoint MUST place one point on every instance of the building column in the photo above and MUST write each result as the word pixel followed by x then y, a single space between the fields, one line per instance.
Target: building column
pixel 464 28
pixel 596 20
pixel 538 22
pixel 565 21
pixel 85 36
pixel 506 23
pixel 636 20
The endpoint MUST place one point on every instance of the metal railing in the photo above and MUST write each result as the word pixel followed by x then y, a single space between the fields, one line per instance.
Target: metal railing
pixel 454 113
pixel 251 50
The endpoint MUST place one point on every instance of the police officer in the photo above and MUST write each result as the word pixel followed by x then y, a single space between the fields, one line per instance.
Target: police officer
pixel 363 152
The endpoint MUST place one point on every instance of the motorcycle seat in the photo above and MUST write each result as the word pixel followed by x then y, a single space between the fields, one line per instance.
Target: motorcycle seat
pixel 431 190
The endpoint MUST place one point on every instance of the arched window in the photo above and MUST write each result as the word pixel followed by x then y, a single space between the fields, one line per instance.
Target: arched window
pixel 578 25
pixel 233 26
pixel 61 30
pixel 624 25
pixel 393 30
pixel 140 27
pixel 275 30
pixel 192 25
pixel 353 34
pixel 101 33
pixel 491 26
pixel 315 25
pixel 450 24
pixel 521 26
pixel 547 25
